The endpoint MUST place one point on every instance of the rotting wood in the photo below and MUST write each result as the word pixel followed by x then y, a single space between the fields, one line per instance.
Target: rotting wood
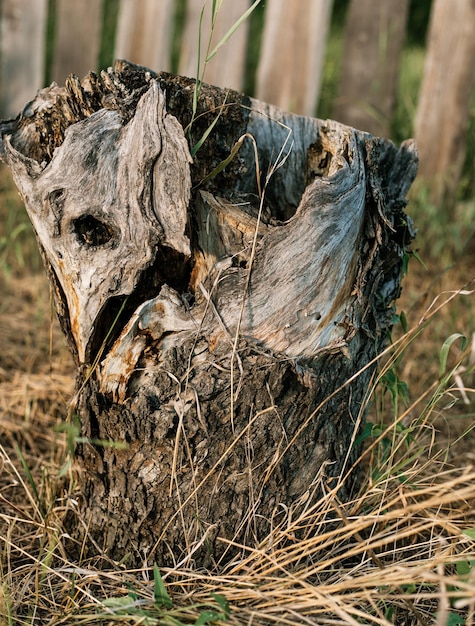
pixel 225 327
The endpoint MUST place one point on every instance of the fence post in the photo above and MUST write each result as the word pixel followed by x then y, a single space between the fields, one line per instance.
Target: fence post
pixel 78 31
pixel 444 101
pixel 374 37
pixel 292 54
pixel 22 52
pixel 227 67
pixel 144 32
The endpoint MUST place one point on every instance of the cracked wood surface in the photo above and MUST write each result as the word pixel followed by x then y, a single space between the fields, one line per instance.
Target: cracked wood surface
pixel 215 319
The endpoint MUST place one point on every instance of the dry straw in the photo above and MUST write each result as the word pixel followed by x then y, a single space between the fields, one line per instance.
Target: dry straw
pixel 402 551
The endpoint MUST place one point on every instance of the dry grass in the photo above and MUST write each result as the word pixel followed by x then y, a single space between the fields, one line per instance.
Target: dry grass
pixel 402 552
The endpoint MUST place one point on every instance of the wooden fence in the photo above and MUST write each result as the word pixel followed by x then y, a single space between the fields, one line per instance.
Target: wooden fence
pixel 289 59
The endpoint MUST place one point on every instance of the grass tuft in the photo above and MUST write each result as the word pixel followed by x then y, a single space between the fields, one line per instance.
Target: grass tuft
pixel 402 551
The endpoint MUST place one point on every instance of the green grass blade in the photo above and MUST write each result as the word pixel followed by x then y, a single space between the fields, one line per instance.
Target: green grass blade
pixel 6 604
pixel 225 162
pixel 207 132
pixel 444 352
pixel 470 532
pixel 196 91
pixel 106 339
pixel 30 479
pixel 208 617
pixel 160 593
pixel 231 31
pixel 204 137
pixel 222 603
pixel 211 616
pixel 215 8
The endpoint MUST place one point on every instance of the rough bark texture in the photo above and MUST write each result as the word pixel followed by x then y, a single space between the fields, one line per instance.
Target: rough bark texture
pixel 218 318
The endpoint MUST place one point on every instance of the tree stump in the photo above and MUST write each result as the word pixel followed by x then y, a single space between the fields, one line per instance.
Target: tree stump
pixel 225 310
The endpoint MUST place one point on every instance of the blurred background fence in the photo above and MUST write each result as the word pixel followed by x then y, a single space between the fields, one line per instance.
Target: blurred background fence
pixel 395 68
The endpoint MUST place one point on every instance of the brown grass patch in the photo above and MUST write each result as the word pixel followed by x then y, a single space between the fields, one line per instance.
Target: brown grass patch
pixel 402 552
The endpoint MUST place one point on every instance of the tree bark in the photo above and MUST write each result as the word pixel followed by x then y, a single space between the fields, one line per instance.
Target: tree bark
pixel 225 321
pixel 443 111
pixel 374 37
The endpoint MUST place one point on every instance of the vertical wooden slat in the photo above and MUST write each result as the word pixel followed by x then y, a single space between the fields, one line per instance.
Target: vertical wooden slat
pixel 444 103
pixel 22 52
pixel 293 49
pixel 144 32
pixel 78 29
pixel 374 36
pixel 226 69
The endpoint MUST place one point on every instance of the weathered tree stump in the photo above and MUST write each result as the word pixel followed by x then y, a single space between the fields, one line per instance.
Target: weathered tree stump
pixel 218 322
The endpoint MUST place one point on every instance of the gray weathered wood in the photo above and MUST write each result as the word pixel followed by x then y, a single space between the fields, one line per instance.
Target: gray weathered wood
pixel 374 37
pixel 151 133
pixel 226 69
pixel 22 52
pixel 144 32
pixel 225 325
pixel 442 116
pixel 77 45
pixel 293 50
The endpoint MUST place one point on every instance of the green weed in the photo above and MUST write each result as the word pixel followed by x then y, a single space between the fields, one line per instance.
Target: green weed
pixel 160 611
pixel 443 233
pixel 209 55
pixel 72 429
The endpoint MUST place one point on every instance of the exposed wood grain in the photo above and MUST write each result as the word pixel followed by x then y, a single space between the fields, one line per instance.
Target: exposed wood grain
pixel 282 311
pixel 442 116
pixel 144 32
pixel 293 49
pixel 22 52
pixel 78 28
pixel 225 234
pixel 79 191
pixel 374 37
pixel 289 67
pixel 225 326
